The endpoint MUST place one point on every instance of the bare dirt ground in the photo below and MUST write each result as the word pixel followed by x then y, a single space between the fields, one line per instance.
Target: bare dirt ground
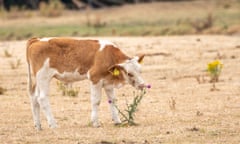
pixel 172 66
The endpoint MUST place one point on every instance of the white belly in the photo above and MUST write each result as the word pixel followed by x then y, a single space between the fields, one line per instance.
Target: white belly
pixel 70 77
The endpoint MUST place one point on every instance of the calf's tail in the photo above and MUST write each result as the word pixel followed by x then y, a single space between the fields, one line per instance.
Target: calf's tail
pixel 30 85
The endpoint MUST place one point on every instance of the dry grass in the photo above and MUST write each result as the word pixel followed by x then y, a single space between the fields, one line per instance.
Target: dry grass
pixel 15 64
pixel 7 53
pixel 2 90
pixel 200 116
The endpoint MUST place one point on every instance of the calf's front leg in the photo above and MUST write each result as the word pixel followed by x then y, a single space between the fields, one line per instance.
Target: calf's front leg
pixel 111 101
pixel 96 94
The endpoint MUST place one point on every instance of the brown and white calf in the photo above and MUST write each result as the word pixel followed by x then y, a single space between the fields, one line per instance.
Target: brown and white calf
pixel 69 60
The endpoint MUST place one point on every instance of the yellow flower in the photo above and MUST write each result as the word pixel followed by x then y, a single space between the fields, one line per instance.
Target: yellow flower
pixel 116 72
pixel 215 67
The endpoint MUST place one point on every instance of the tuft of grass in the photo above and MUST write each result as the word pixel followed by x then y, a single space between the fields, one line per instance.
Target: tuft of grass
pixel 7 53
pixel 202 24
pixel 52 9
pixel 15 13
pixel 66 91
pixel 2 91
pixel 15 64
pixel 172 104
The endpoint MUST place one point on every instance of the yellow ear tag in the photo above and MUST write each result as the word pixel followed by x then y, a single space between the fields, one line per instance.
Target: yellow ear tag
pixel 141 62
pixel 116 72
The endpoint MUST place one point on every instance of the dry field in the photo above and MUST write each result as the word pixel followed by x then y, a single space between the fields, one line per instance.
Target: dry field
pixel 172 66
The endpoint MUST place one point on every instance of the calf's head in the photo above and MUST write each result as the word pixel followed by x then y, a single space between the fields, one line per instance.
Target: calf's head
pixel 131 71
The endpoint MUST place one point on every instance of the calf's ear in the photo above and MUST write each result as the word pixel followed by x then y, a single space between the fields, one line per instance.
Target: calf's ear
pixel 115 70
pixel 140 59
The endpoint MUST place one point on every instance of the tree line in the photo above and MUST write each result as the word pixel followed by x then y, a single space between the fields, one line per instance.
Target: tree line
pixel 69 4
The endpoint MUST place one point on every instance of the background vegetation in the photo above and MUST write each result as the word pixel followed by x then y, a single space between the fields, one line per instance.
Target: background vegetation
pixel 142 19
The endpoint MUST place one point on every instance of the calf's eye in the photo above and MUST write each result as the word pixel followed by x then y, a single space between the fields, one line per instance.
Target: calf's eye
pixel 130 75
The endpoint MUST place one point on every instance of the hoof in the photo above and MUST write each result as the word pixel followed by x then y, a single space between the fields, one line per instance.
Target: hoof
pixel 95 124
pixel 38 127
pixel 117 121
pixel 53 126
pixel 117 124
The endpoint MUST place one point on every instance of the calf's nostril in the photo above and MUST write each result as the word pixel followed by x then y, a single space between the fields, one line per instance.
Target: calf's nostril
pixel 141 86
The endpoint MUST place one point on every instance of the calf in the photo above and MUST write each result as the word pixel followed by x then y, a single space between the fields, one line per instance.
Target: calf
pixel 69 60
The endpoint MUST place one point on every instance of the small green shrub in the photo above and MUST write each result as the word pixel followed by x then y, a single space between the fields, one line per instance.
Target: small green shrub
pixel 66 91
pixel 7 53
pixel 52 9
pixel 202 24
pixel 15 64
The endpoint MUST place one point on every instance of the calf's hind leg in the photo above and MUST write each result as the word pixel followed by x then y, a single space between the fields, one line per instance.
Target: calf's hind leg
pixel 43 101
pixel 35 109
pixel 43 78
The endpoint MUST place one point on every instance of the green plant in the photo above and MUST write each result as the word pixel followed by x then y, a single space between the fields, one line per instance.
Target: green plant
pixel 66 91
pixel 202 24
pixel 16 13
pixel 7 53
pixel 129 113
pixel 16 64
pixel 53 9
pixel 214 70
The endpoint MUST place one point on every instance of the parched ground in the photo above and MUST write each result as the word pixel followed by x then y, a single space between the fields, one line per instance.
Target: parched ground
pixel 174 66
